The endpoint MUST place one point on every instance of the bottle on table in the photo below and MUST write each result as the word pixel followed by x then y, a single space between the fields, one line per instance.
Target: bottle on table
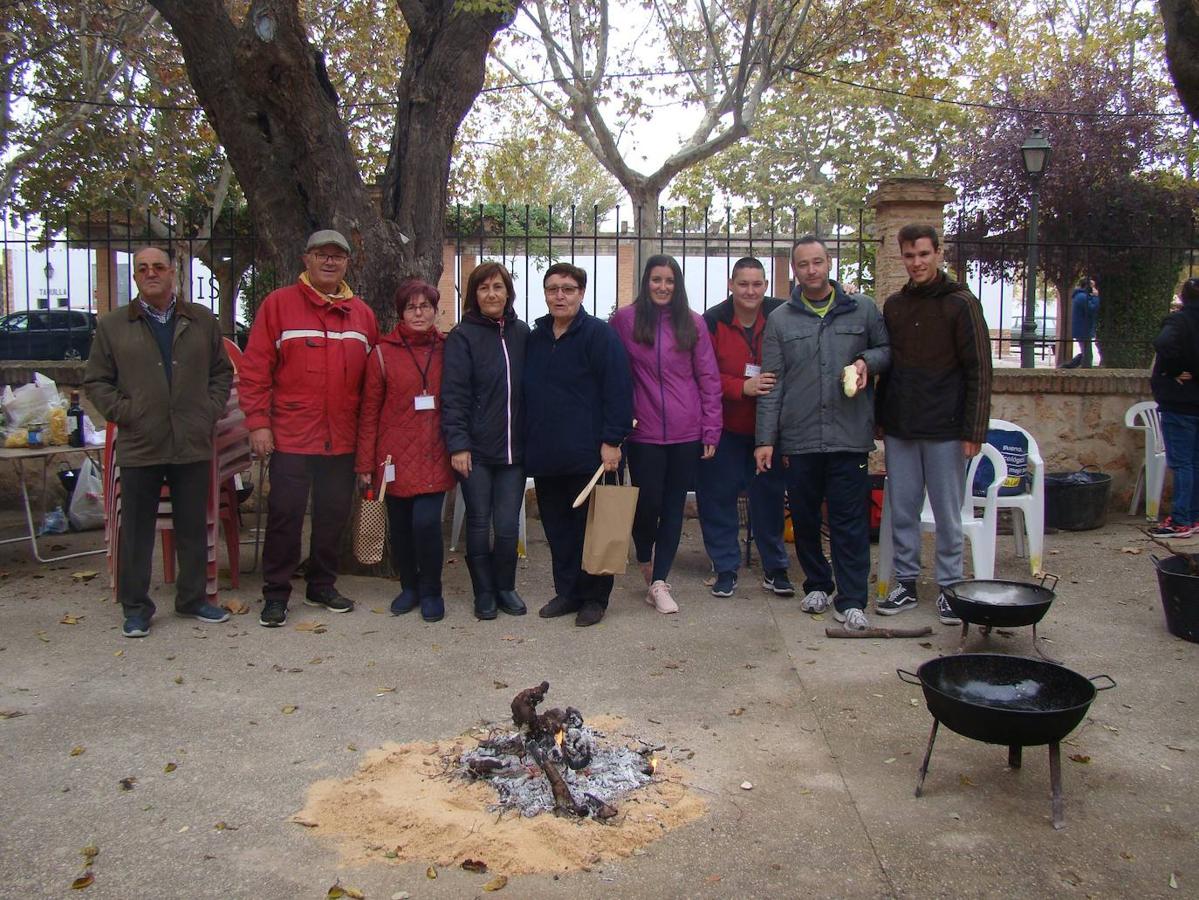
pixel 75 421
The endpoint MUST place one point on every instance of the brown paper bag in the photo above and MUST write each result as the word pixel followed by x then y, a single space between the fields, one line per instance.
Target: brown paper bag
pixel 609 528
pixel 370 529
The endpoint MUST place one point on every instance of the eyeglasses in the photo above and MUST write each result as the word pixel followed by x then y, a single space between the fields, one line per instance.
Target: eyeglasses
pixel 329 257
pixel 566 290
pixel 418 308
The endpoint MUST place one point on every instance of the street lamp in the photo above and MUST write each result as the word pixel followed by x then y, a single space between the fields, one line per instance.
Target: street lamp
pixel 1035 151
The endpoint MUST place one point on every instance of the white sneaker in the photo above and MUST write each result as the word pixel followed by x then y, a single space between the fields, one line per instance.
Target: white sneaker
pixel 815 602
pixel 853 619
pixel 659 598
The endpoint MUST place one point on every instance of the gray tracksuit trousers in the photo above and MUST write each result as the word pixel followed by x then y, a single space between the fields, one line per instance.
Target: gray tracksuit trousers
pixel 939 467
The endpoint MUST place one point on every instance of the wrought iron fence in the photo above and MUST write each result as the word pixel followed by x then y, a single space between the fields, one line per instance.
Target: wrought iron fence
pixel 82 263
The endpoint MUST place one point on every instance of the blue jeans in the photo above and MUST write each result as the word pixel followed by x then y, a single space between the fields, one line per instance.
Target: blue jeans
pixel 416 545
pixel 493 494
pixel 1181 434
pixel 842 481
pixel 721 479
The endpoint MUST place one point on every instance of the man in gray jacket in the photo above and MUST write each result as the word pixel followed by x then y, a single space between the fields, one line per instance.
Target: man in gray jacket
pixel 821 421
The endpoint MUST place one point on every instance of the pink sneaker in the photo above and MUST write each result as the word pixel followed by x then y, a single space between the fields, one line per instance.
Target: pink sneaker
pixel 659 597
pixel 647 571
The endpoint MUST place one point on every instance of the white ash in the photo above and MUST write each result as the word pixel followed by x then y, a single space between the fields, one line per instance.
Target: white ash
pixel 520 785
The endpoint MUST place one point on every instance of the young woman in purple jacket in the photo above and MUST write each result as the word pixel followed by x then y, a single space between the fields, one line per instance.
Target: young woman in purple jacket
pixel 676 404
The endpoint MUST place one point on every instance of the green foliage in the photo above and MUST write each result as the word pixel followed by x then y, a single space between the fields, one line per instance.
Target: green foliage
pixel 1147 227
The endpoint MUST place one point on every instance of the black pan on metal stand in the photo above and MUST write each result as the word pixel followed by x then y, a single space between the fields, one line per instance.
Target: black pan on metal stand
pixel 1015 701
pixel 1000 604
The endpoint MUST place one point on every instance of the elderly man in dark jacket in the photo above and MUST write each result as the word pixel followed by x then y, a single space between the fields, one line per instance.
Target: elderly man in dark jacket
pixel 823 424
pixel 1176 390
pixel 578 408
pixel 158 370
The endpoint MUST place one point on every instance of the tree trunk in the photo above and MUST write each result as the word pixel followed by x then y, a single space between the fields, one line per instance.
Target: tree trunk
pixel 646 197
pixel 267 95
pixel 444 66
pixel 1181 20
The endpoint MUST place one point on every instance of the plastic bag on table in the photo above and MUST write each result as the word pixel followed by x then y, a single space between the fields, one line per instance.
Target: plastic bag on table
pixel 30 402
pixel 87 501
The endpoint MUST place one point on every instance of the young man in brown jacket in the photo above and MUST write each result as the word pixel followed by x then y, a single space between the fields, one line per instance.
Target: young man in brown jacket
pixel 932 406
pixel 158 370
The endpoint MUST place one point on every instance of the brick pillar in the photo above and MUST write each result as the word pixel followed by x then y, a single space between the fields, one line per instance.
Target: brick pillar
pixel 899 202
pixel 627 276
pixel 447 306
pixel 781 286
pixel 106 279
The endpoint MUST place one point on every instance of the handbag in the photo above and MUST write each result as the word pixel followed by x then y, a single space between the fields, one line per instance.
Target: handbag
pixel 370 528
pixel 609 525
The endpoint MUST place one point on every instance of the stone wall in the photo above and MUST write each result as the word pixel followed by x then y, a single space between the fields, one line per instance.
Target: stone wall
pixel 1077 417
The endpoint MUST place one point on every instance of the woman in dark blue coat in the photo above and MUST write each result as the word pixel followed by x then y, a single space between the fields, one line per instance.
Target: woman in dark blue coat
pixel 482 419
pixel 578 410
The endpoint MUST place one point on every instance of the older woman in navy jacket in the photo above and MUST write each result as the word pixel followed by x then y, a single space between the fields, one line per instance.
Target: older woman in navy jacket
pixel 578 410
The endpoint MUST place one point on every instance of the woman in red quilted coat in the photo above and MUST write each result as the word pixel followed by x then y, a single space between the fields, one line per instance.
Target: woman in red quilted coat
pixel 401 419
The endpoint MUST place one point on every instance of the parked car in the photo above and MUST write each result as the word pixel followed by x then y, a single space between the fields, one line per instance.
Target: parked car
pixel 47 334
pixel 1046 329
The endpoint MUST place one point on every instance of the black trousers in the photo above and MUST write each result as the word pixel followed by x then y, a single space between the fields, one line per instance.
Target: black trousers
pixel 141 487
pixel 416 546
pixel 331 479
pixel 664 473
pixel 564 530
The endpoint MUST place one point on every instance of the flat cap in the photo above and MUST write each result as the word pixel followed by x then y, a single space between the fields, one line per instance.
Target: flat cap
pixel 327 236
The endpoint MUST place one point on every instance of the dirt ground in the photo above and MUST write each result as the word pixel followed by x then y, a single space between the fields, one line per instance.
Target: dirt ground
pixel 183 758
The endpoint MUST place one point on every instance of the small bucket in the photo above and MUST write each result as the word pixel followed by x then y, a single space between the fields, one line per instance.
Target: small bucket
pixel 1180 596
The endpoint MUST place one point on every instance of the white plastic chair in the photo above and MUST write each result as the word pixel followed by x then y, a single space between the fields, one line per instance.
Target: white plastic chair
pixel 1146 417
pixel 460 516
pixel 1028 509
pixel 980 532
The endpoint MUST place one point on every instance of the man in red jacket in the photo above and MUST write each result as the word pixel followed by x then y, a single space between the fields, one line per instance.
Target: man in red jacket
pixel 736 326
pixel 301 385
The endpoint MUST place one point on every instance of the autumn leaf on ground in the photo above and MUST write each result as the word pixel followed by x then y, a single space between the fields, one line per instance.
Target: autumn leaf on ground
pixel 385 690
pixel 237 607
pixel 169 768
pixel 311 625
pixel 224 826
pixel 83 576
pixel 83 881
pixel 474 865
pixel 11 713
pixel 127 783
pixel 90 852
pixel 41 636
pixel 496 884
pixel 78 750
pixel 1080 758
pixel 68 619
pixel 288 710
pixel 1132 551
pixel 338 891
pixel 500 685
pixel 965 781
pixel 431 872
pixel 738 711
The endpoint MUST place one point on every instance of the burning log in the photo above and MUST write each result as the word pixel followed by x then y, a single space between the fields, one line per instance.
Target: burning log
pixel 563 799
pixel 561 747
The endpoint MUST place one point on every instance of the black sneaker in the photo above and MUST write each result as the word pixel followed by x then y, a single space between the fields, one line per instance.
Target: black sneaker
pixel 726 584
pixel 135 627
pixel 776 580
pixel 274 613
pixel 945 612
pixel 331 600
pixel 902 597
